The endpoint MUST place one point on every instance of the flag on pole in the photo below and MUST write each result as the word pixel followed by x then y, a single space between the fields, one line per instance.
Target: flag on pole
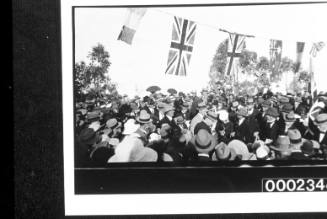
pixel 132 22
pixel 275 54
pixel 316 47
pixel 236 44
pixel 299 53
pixel 181 47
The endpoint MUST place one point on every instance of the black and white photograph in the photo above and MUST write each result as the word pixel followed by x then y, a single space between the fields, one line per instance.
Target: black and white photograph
pixel 211 102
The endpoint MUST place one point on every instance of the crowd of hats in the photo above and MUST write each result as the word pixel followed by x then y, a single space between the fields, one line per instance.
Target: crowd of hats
pixel 102 128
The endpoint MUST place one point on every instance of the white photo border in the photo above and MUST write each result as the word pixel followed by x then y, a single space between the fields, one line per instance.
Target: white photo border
pixel 143 204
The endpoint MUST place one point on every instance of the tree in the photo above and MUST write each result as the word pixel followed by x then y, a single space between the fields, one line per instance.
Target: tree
pixel 92 79
pixel 219 62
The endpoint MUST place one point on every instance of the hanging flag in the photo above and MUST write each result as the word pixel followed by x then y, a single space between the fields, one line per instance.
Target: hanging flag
pixel 275 54
pixel 299 53
pixel 236 44
pixel 316 47
pixel 132 22
pixel 181 46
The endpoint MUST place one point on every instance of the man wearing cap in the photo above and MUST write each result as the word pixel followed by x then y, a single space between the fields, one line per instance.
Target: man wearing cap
pixel 291 122
pixel 199 117
pixel 281 149
pixel 246 129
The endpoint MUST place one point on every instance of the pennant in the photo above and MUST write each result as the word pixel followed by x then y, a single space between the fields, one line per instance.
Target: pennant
pixel 181 47
pixel 275 54
pixel 236 44
pixel 299 53
pixel 132 22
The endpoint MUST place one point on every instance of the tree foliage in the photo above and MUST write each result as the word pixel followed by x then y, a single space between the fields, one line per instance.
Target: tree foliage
pixel 92 80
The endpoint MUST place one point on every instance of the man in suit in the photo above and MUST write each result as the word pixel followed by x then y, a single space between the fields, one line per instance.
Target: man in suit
pixel 296 144
pixel 271 127
pixel 199 117
pixel 320 136
pixel 169 112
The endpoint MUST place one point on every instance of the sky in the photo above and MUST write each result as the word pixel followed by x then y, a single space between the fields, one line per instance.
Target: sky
pixel 137 66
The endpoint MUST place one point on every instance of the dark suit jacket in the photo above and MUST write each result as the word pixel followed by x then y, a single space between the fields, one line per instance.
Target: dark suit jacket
pixel 271 132
pixel 244 132
pixel 298 156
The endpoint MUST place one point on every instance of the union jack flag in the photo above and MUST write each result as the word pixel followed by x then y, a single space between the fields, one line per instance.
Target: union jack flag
pixel 181 46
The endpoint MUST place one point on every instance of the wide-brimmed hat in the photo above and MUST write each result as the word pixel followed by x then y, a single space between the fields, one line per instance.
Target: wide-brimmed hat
pixel 179 118
pixel 282 144
pixel 283 99
pixel 88 136
pixel 201 125
pixel 241 149
pixel 130 127
pixel 242 112
pixel 290 117
pixel 144 117
pixel 321 118
pixel 222 152
pixel 271 111
pixel 203 141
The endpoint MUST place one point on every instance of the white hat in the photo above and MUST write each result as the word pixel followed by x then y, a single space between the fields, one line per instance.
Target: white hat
pixel 130 127
pixel 261 152
pixel 223 115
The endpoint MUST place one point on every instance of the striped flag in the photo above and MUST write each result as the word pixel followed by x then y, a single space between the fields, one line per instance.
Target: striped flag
pixel 316 47
pixel 132 22
pixel 236 44
pixel 181 47
pixel 299 53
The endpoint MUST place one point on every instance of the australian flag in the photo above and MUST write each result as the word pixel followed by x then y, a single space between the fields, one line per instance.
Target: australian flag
pixel 181 46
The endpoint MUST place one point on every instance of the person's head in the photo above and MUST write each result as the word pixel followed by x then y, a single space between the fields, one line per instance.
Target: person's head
pixel 250 104
pixel 265 105
pixel 202 108
pixel 289 119
pixel 242 113
pixel 234 106
pixel 223 116
pixel 271 115
pixel 321 122
pixel 145 121
pixel 295 139
pixel 282 147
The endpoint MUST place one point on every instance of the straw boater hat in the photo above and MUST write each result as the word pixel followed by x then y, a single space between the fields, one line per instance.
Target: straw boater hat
pixel 113 123
pixel 144 117
pixel 212 115
pixel 203 141
pixel 201 105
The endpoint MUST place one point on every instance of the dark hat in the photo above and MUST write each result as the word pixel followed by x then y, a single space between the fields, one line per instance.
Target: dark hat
pixel 307 147
pixel 282 144
pixel 271 111
pixel 266 103
pixel 321 118
pixel 287 107
pixel 144 117
pixel 88 136
pixel 201 125
pixel 283 99
pixel 203 141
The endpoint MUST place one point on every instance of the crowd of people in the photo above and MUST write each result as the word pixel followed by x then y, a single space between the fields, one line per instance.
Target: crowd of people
pixel 214 126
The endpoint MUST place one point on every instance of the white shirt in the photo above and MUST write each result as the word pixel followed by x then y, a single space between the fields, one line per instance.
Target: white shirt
pixel 241 121
pixel 321 136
